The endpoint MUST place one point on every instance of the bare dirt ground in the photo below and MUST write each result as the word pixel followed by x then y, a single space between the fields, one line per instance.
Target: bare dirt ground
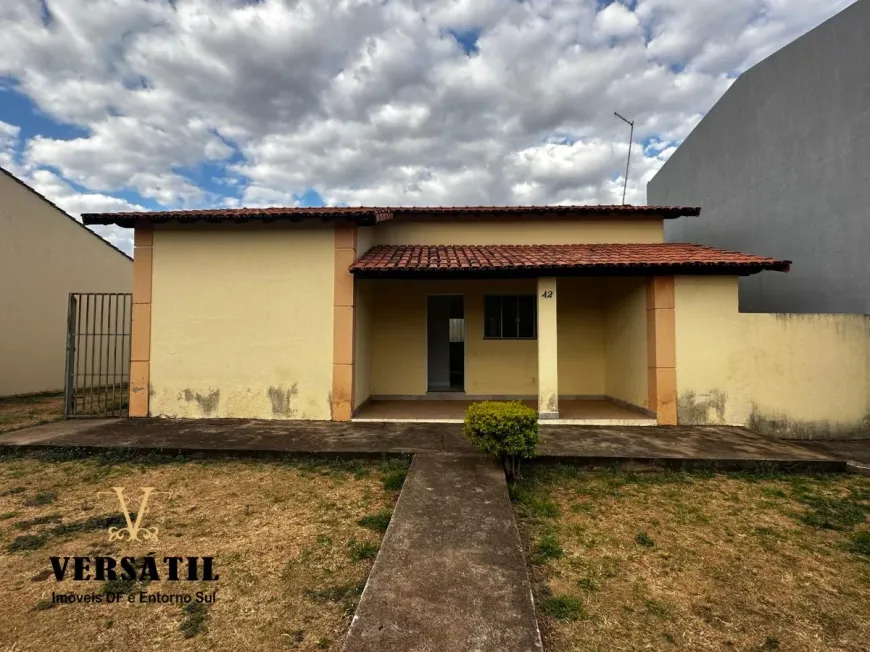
pixel 25 411
pixel 293 543
pixel 678 561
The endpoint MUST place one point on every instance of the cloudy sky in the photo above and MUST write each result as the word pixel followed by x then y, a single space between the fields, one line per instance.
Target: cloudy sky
pixel 124 104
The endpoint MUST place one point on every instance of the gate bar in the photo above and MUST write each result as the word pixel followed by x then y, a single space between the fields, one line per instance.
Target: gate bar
pixel 96 371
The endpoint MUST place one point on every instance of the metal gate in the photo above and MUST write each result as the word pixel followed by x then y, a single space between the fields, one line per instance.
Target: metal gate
pixel 97 354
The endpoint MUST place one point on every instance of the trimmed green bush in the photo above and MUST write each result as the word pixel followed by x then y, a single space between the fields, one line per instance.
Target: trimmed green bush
pixel 508 430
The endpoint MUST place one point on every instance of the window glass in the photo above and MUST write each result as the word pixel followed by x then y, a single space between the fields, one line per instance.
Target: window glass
pixel 509 317
pixel 492 317
pixel 527 317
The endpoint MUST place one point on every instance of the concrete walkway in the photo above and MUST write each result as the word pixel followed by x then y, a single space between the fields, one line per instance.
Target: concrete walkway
pixel 721 446
pixel 450 574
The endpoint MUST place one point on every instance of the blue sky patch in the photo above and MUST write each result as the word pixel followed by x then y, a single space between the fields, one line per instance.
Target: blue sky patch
pixel 310 198
pixel 467 39
pixel 213 177
pixel 18 109
pixel 559 138
pixel 46 15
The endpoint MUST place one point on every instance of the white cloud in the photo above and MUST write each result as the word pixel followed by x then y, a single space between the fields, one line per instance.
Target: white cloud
pixel 373 102
pixel 713 36
pixel 129 152
pixel 617 20
pixel 8 133
pixel 58 191
pixel 8 140
pixel 50 185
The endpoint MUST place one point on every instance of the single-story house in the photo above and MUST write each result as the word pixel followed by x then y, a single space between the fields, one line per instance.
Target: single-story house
pixel 410 313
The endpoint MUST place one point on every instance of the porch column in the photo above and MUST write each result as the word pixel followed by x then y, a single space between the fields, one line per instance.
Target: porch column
pixel 343 323
pixel 548 363
pixel 661 349
pixel 140 337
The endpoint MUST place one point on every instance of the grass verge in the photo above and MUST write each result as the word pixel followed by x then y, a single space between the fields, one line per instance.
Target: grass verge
pixel 25 411
pixel 697 561
pixel 293 542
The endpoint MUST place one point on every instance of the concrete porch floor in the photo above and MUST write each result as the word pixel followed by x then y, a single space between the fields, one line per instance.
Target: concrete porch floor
pixel 681 446
pixel 571 412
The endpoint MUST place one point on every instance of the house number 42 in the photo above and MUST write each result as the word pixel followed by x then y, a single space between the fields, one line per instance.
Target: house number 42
pixel 547 294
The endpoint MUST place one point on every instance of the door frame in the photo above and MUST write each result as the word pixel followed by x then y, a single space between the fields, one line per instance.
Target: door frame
pixel 464 342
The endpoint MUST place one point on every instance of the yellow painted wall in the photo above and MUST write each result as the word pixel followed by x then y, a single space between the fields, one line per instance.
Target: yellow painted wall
pixel 362 388
pixel 45 255
pixel 397 344
pixel 497 366
pixel 362 327
pixel 365 236
pixel 548 349
pixel 625 340
pixel 242 322
pixel 398 339
pixel 517 232
pixel 581 337
pixel 791 375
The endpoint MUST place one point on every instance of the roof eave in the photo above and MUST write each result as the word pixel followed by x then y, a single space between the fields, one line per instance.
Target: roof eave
pixel 130 221
pixel 370 216
pixel 583 271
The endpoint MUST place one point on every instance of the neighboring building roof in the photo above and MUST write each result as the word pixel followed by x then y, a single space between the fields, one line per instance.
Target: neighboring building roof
pixel 370 215
pixel 403 261
pixel 51 203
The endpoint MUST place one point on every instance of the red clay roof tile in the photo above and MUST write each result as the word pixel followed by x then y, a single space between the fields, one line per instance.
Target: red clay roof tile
pixel 378 214
pixel 397 260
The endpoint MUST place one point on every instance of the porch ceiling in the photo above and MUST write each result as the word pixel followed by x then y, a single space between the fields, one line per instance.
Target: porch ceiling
pixel 476 261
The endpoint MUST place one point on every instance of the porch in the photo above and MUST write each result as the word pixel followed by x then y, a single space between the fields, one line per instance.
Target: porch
pixel 681 446
pixel 572 411
pixel 581 351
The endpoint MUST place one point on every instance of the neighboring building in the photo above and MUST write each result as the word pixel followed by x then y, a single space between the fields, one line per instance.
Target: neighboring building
pixel 44 255
pixel 388 313
pixel 781 165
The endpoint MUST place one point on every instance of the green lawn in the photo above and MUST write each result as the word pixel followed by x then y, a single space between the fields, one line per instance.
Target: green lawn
pixel 293 544
pixel 678 561
pixel 24 411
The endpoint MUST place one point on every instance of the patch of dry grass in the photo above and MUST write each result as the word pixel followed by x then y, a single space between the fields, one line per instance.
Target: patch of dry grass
pixel 25 411
pixel 665 561
pixel 283 534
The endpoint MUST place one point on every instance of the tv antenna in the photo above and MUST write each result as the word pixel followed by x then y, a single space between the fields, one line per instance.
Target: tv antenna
pixel 630 123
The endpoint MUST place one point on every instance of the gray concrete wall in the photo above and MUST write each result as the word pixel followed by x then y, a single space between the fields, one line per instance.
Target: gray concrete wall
pixel 781 167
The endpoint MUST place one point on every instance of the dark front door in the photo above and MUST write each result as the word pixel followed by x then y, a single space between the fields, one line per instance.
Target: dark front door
pixel 445 328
